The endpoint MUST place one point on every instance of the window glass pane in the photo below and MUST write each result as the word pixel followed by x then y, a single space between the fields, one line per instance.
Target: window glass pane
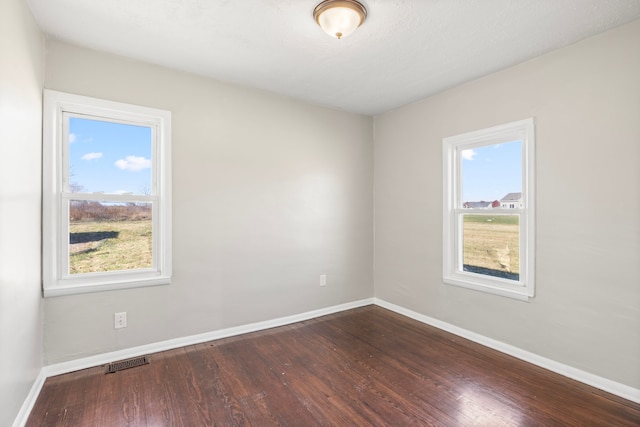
pixel 107 236
pixel 108 157
pixel 492 176
pixel 491 245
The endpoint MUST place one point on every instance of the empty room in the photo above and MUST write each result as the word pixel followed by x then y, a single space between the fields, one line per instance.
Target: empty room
pixel 307 212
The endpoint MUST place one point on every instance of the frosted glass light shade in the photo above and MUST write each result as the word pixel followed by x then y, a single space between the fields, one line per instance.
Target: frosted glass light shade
pixel 339 18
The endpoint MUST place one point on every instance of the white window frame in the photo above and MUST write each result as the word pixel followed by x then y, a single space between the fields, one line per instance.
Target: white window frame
pixel 453 273
pixel 56 195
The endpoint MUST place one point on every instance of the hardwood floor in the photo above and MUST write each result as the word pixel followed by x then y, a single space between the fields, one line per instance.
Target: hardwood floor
pixel 366 366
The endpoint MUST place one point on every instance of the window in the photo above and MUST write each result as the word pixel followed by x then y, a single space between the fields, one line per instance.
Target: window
pixel 106 195
pixel 488 218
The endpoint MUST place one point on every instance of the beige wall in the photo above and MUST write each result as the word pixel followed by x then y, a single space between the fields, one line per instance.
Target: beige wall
pixel 21 70
pixel 268 194
pixel 586 103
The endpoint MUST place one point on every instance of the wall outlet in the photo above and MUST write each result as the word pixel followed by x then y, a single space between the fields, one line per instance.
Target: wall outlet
pixel 323 280
pixel 120 320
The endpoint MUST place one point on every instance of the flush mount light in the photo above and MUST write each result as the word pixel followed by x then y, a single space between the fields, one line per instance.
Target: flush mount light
pixel 339 18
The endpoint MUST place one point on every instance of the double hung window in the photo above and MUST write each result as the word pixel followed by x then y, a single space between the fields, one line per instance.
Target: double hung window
pixel 106 195
pixel 488 218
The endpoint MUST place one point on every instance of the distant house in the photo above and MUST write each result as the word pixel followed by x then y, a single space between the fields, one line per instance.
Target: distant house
pixel 481 205
pixel 511 201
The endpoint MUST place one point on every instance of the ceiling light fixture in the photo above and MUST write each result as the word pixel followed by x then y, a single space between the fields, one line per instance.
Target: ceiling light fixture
pixel 339 18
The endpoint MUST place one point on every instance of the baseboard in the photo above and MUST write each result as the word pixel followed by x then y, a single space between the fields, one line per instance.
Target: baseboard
pixel 613 387
pixel 104 358
pixel 30 401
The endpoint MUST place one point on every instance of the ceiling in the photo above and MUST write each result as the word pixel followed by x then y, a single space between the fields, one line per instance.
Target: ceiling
pixel 405 50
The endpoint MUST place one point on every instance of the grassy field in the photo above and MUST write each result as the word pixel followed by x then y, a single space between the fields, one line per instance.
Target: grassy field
pixel 492 242
pixel 98 246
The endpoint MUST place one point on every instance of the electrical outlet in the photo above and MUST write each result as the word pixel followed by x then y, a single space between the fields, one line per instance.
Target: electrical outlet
pixel 120 320
pixel 323 280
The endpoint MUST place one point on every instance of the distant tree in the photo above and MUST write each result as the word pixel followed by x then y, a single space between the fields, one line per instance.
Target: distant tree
pixel 145 190
pixel 74 187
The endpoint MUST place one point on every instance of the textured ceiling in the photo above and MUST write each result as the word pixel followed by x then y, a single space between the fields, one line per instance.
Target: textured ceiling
pixel 404 51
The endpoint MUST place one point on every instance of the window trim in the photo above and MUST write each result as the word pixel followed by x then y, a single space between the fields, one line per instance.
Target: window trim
pixel 55 243
pixel 523 289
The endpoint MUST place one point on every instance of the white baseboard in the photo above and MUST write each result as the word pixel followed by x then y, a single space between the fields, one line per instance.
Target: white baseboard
pixel 27 405
pixel 104 358
pixel 613 387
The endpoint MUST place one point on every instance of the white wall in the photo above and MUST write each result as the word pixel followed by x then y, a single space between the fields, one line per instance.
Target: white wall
pixel 586 103
pixel 268 194
pixel 21 71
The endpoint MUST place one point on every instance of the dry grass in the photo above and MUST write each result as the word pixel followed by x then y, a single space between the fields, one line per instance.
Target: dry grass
pixel 492 243
pixel 99 246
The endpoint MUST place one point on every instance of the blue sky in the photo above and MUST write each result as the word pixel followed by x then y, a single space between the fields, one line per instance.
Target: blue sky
pixel 109 157
pixel 490 172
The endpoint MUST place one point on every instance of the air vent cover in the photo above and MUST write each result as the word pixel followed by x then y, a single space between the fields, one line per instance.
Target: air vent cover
pixel 126 364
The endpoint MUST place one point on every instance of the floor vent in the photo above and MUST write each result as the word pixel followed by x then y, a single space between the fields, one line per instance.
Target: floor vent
pixel 126 364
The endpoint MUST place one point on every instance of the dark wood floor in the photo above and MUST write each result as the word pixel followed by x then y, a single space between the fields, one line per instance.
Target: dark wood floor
pixel 362 367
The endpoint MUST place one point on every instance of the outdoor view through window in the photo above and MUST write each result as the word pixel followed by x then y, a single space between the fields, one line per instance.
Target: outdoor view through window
pixel 491 184
pixel 110 195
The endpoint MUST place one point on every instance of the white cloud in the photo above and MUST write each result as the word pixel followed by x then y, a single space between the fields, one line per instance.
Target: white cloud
pixel 133 163
pixel 72 138
pixel 468 154
pixel 91 156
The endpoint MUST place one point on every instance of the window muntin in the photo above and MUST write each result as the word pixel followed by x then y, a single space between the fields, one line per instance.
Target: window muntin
pixel 107 195
pixel 488 213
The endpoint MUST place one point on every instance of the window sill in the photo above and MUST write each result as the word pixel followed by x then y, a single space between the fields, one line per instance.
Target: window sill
pixel 518 294
pixel 73 289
